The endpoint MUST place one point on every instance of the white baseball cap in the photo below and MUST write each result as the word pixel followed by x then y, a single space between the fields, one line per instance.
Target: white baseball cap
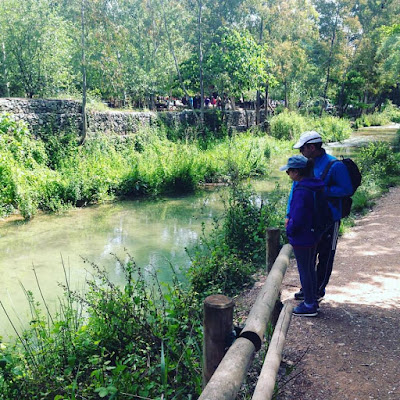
pixel 308 137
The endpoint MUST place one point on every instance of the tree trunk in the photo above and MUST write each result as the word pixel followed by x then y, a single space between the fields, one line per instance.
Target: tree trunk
pixel 258 100
pixel 286 95
pixel 233 104
pixel 5 72
pixel 328 71
pixel 200 47
pixel 266 99
pixel 172 50
pixel 341 100
pixel 84 124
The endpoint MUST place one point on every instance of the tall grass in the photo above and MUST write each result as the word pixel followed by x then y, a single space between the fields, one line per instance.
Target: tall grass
pixel 390 113
pixel 135 341
pixel 53 172
pixel 289 126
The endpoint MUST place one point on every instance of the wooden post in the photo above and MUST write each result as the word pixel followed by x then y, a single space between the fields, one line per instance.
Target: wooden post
pixel 231 372
pixel 273 236
pixel 218 327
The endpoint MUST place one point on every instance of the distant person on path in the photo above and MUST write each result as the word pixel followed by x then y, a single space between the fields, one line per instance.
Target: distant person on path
pixel 300 230
pixel 337 185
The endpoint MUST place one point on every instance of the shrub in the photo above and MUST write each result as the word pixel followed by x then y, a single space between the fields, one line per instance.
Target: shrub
pixel 288 125
pixel 225 259
pixel 135 341
pixel 379 160
pixel 390 113
pixel 333 129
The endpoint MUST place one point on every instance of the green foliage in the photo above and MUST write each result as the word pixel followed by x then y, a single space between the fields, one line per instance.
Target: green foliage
pixel 23 168
pixel 390 113
pixel 53 172
pixel 380 168
pixel 136 340
pixel 37 48
pixel 288 125
pixel 333 129
pixel 379 160
pixel 226 258
pixel 374 119
pixel 237 62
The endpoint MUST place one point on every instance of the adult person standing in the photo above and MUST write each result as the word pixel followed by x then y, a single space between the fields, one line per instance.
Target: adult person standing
pixel 337 185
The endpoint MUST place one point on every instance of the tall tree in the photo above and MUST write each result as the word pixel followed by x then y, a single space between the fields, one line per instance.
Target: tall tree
pixel 83 61
pixel 38 48
pixel 288 41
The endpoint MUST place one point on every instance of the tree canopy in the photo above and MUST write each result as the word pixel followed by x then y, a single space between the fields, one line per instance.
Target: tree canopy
pixel 305 51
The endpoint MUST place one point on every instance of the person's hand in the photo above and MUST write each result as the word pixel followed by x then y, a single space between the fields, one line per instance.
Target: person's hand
pixel 286 222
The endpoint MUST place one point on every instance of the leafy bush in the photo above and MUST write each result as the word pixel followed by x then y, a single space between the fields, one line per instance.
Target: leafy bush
pixel 226 258
pixel 390 113
pixel 136 340
pixel 379 160
pixel 333 129
pixel 288 125
pixel 380 168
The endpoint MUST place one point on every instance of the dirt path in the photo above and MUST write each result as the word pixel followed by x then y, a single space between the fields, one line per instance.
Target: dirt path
pixel 352 349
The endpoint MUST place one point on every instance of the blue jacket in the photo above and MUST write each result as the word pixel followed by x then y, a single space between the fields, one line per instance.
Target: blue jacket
pixel 337 183
pixel 299 228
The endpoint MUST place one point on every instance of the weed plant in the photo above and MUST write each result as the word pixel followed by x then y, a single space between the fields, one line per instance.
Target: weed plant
pixel 226 258
pixel 390 113
pixel 135 341
pixel 380 168
pixel 54 172
pixel 289 126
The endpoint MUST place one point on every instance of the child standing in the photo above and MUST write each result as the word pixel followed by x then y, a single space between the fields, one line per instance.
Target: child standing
pixel 300 230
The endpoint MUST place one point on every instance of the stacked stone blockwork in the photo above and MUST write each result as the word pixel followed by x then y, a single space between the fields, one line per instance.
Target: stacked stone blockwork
pixel 43 115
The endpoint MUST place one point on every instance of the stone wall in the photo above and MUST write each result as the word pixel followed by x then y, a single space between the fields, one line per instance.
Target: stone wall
pixel 42 115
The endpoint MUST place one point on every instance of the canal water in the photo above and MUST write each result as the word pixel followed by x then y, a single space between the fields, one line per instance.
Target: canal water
pixel 154 232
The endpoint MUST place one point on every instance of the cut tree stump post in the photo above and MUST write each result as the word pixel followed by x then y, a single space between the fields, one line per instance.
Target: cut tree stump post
pixel 273 237
pixel 218 328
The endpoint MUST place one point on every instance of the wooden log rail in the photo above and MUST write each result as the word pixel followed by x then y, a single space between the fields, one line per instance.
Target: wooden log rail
pixel 226 381
pixel 266 381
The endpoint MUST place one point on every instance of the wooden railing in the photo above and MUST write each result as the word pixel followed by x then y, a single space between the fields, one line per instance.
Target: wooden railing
pixel 231 371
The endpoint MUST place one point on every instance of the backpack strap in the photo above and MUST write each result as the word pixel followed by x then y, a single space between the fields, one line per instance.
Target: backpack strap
pixel 327 168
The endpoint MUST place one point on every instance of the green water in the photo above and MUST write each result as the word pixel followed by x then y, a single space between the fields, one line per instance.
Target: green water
pixel 155 233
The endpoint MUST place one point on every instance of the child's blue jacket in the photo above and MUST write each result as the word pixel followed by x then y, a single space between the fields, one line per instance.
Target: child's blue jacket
pixel 299 228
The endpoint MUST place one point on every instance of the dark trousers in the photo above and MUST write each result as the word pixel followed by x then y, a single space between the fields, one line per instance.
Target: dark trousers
pixel 305 257
pixel 326 250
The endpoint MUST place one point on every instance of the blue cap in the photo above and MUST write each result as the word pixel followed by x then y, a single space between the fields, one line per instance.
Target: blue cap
pixel 295 162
